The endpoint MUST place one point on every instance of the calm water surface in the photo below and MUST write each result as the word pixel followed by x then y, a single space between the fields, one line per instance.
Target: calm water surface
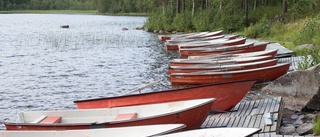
pixel 45 67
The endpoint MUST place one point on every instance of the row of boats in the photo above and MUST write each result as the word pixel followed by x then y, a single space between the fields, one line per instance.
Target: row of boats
pixel 222 79
pixel 211 57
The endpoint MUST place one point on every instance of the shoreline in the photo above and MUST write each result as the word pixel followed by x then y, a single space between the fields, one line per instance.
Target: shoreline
pixel 81 12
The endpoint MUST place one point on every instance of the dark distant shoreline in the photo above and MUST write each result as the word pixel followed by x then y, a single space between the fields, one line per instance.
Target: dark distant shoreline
pixel 90 12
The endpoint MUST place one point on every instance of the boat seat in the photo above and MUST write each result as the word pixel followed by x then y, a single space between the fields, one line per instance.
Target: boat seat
pixel 126 116
pixel 47 119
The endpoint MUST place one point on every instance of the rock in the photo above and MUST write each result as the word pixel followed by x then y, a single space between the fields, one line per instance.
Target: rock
pixel 64 26
pixel 125 29
pixel 299 89
pixel 174 32
pixel 148 30
pixel 161 31
pixel 305 46
pixel 302 116
pixel 139 28
pixel 294 116
pixel 311 117
pixel 298 122
pixel 304 129
pixel 289 130
pixel 155 31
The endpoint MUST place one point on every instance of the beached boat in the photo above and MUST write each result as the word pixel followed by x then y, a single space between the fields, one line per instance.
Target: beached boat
pixel 190 35
pixel 216 132
pixel 213 43
pixel 177 112
pixel 243 48
pixel 228 67
pixel 173 44
pixel 131 131
pixel 217 61
pixel 216 50
pixel 271 53
pixel 262 74
pixel 228 94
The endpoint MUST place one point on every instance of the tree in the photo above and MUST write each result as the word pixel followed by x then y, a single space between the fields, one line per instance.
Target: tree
pixel 284 5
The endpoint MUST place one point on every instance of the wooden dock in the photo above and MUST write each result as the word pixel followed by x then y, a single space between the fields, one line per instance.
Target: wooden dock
pixel 264 114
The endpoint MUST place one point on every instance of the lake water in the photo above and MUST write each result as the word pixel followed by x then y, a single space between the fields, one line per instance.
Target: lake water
pixel 45 67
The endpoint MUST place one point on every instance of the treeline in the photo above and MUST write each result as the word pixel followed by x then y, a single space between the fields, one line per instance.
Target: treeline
pixel 8 5
pixel 126 6
pixel 229 15
pixel 102 6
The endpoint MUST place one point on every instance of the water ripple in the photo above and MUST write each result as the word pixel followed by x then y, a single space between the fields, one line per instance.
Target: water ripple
pixel 44 67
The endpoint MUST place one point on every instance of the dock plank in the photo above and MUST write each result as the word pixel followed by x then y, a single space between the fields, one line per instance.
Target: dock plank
pixel 249 114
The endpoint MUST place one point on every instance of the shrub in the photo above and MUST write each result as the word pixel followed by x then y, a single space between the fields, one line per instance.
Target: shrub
pixel 202 20
pixel 160 19
pixel 309 34
pixel 262 28
pixel 230 19
pixel 182 22
pixel 310 58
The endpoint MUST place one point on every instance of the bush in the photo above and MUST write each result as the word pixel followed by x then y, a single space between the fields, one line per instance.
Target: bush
pixel 310 58
pixel 161 19
pixel 182 22
pixel 230 19
pixel 309 34
pixel 202 20
pixel 262 28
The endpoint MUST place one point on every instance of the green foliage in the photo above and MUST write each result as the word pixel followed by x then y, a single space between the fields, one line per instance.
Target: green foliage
pixel 202 21
pixel 310 58
pixel 161 19
pixel 316 127
pixel 304 8
pixel 182 22
pixel 309 33
pixel 262 28
pixel 230 18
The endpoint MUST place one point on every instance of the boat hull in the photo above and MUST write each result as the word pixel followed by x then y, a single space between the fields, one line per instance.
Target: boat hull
pixel 226 68
pixel 237 50
pixel 261 75
pixel 221 62
pixel 192 118
pixel 228 94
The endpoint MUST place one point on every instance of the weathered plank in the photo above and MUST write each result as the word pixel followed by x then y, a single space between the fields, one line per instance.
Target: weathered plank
pixel 248 114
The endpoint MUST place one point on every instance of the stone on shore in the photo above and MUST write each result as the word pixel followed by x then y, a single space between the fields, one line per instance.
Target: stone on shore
pixel 299 89
pixel 304 129
pixel 288 130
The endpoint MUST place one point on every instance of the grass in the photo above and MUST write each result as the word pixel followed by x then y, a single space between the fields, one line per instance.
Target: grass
pixel 282 33
pixel 316 127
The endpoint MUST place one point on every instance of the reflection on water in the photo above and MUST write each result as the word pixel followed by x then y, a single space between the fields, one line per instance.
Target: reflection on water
pixel 43 66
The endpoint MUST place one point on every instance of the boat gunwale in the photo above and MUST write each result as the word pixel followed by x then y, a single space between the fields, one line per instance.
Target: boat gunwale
pixel 169 90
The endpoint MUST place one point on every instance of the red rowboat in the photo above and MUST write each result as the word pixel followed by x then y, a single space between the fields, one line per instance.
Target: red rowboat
pixel 245 48
pixel 233 67
pixel 231 60
pixel 228 94
pixel 213 43
pixel 190 36
pixel 263 74
pixel 192 113
pixel 173 44
pixel 271 53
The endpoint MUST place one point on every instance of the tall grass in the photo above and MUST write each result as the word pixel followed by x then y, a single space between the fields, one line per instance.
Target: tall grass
pixel 316 127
